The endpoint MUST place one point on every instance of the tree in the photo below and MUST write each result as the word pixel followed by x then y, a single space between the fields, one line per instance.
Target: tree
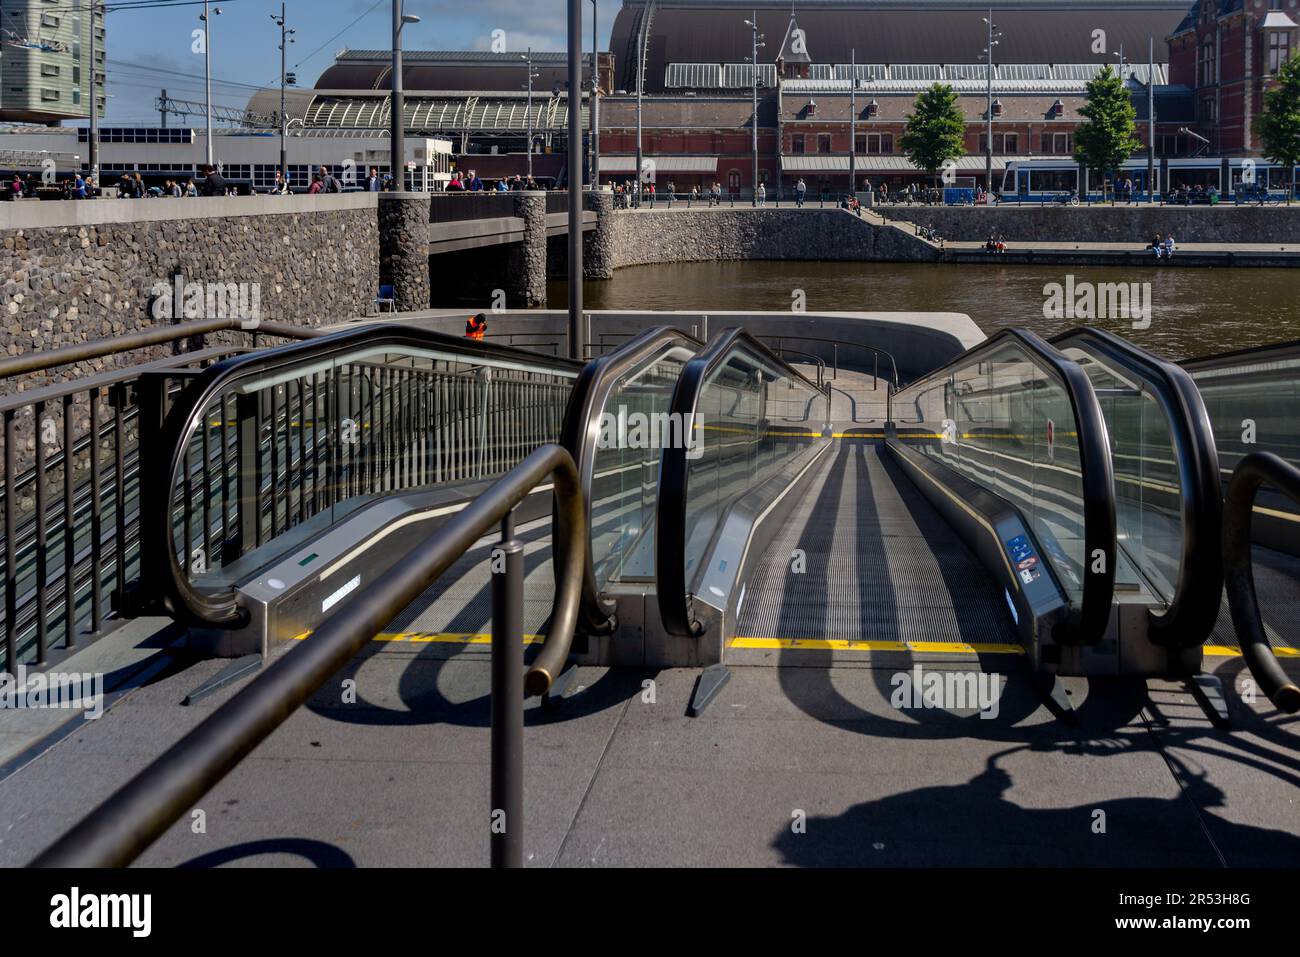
pixel 1109 138
pixel 936 131
pixel 1278 127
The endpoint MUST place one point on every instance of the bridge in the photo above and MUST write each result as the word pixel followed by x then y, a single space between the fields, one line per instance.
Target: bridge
pixel 897 593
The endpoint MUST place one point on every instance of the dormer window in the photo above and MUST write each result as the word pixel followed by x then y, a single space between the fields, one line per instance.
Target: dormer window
pixel 997 107
pixel 812 107
pixel 873 108
pixel 1058 109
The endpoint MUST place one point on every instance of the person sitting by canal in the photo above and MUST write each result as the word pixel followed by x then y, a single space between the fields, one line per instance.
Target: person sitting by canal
pixel 1169 246
pixel 1158 245
pixel 991 246
pixel 476 326
pixel 1001 243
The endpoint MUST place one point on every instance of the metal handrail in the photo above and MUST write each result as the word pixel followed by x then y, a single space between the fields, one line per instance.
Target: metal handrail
pixel 818 361
pixel 1256 469
pixel 580 433
pixel 1189 618
pixel 137 814
pixel 670 517
pixel 188 413
pixel 1088 624
pixel 893 365
pixel 83 351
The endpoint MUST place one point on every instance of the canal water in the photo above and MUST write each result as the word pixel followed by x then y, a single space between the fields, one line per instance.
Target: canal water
pixel 1193 311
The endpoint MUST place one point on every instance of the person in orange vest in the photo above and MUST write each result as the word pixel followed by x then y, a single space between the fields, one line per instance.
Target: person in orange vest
pixel 476 326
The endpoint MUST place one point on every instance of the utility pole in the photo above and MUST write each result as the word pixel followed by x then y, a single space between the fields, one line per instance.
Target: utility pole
pixel 94 102
pixel 755 37
pixel 595 100
pixel 397 121
pixel 647 14
pixel 206 17
pixel 988 61
pixel 1151 122
pixel 853 123
pixel 577 339
pixel 286 37
pixel 528 59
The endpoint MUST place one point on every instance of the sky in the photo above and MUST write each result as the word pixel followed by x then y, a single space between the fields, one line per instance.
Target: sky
pixel 152 49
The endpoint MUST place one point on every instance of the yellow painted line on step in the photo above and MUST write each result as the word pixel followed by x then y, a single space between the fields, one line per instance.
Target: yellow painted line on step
pixel 444 638
pixel 1224 651
pixel 847 644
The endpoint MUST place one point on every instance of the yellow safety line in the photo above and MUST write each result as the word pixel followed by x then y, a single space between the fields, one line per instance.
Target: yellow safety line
pixel 848 644
pixel 1224 651
pixel 444 638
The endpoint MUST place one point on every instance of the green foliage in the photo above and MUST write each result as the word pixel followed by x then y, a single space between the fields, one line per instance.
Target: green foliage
pixel 1109 137
pixel 1278 127
pixel 936 130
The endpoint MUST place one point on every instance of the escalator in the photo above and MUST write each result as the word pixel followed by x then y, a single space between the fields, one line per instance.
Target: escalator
pixel 992 518
pixel 1056 501
pixel 297 477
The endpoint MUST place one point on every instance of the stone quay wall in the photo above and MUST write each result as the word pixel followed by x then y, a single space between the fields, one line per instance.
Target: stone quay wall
pixel 1107 224
pixel 643 237
pixel 73 272
pixel 76 272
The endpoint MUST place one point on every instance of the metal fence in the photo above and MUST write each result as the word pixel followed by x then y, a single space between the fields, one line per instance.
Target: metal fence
pixel 70 493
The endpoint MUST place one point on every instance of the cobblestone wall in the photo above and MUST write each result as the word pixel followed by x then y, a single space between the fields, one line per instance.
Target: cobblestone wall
pixel 404 247
pixel 78 282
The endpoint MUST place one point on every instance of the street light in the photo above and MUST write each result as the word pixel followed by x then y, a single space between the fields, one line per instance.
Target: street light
pixel 528 111
pixel 756 45
pixel 286 37
pixel 994 39
pixel 595 100
pixel 397 131
pixel 206 16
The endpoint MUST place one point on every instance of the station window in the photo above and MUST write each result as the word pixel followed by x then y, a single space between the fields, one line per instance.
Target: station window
pixel 1279 50
pixel 823 142
pixel 796 143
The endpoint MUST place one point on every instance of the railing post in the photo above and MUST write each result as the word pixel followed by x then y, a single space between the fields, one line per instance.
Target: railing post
pixel 507 807
pixel 248 492
pixel 155 497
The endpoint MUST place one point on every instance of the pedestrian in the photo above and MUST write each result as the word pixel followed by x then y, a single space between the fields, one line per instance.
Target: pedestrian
pixel 279 187
pixel 476 327
pixel 762 194
pixel 373 183
pixel 191 188
pixel 328 183
pixel 800 191
pixel 317 185
pixel 214 184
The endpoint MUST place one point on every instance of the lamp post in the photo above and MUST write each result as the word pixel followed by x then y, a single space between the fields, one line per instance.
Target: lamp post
pixel 756 45
pixel 640 84
pixel 993 40
pixel 595 100
pixel 286 37
pixel 397 131
pixel 1151 122
pixel 94 99
pixel 206 16
pixel 528 59
pixel 853 123
pixel 577 338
